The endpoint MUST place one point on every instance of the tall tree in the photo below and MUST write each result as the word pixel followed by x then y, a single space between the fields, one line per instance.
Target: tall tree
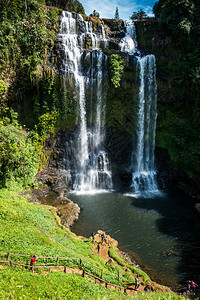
pixel 95 14
pixel 117 14
pixel 140 15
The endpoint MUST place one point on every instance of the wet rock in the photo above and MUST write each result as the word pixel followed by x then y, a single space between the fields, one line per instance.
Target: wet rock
pixel 197 208
pixel 53 192
pixel 170 252
pixel 53 180
pixel 68 214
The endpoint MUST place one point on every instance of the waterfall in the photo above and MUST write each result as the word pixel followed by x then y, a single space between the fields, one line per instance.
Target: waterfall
pixel 142 161
pixel 129 42
pixel 89 170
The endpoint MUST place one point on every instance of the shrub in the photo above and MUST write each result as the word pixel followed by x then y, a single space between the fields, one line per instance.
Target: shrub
pixel 116 69
pixel 19 157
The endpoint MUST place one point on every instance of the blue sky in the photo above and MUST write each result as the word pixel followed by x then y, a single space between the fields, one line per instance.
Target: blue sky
pixel 107 8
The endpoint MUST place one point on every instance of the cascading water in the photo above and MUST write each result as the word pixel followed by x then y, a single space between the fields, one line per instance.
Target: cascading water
pixel 142 162
pixel 90 171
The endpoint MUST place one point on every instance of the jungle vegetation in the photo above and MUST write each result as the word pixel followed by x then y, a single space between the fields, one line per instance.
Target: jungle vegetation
pixel 178 73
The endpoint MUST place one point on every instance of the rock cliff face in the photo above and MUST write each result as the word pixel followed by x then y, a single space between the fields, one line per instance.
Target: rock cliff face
pixel 115 32
pixel 119 107
pixel 54 192
pixel 119 116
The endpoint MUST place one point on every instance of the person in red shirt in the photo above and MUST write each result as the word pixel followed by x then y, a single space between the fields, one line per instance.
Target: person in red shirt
pixel 33 259
pixel 193 286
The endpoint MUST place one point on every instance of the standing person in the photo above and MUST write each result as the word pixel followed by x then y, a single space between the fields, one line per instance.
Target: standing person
pixel 102 237
pixel 193 286
pixel 93 234
pixel 146 288
pixel 188 288
pixel 137 282
pixel 98 248
pixel 33 259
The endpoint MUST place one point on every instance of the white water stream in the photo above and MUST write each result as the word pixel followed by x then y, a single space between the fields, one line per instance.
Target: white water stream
pixel 91 164
pixel 143 162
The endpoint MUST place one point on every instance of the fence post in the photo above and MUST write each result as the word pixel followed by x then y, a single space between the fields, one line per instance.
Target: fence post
pixel 65 269
pixel 80 261
pixel 125 290
pixel 83 273
pixel 102 273
pixel 106 284
pixel 118 275
pixel 57 260
pixel 8 255
pixel 11 265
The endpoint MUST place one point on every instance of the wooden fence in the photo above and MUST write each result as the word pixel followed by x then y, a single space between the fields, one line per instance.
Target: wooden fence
pixel 51 265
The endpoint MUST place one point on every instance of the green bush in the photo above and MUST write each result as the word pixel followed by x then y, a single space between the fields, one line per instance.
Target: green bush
pixel 116 68
pixel 19 158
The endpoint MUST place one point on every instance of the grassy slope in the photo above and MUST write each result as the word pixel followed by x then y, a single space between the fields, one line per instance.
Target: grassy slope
pixel 27 228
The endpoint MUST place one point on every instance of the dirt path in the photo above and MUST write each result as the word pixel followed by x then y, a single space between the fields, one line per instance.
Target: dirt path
pixel 104 245
pixel 101 247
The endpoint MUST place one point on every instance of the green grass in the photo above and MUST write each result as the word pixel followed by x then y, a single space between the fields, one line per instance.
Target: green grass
pixel 18 284
pixel 116 257
pixel 26 228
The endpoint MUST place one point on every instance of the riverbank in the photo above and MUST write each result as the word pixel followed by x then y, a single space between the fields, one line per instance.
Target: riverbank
pixel 28 228
pixel 53 192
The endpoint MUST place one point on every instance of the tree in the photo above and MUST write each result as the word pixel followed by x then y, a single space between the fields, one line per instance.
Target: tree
pixel 95 14
pixel 117 14
pixel 140 15
pixel 70 5
pixel 158 6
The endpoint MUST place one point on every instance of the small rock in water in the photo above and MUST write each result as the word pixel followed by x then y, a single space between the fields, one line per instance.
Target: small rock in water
pixel 170 252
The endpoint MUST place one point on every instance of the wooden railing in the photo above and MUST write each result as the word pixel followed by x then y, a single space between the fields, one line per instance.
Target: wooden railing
pixel 51 265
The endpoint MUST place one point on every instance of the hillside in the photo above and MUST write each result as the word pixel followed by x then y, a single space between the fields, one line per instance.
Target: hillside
pixel 38 119
pixel 27 228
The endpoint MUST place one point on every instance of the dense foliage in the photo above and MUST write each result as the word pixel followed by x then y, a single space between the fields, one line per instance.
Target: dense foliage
pixel 116 68
pixel 19 157
pixel 178 82
pixel 140 15
pixel 29 86
pixel 69 5
pixel 95 14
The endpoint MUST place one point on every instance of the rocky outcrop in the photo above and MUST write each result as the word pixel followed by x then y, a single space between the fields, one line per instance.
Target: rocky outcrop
pixel 53 192
pixel 153 286
pixel 115 32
